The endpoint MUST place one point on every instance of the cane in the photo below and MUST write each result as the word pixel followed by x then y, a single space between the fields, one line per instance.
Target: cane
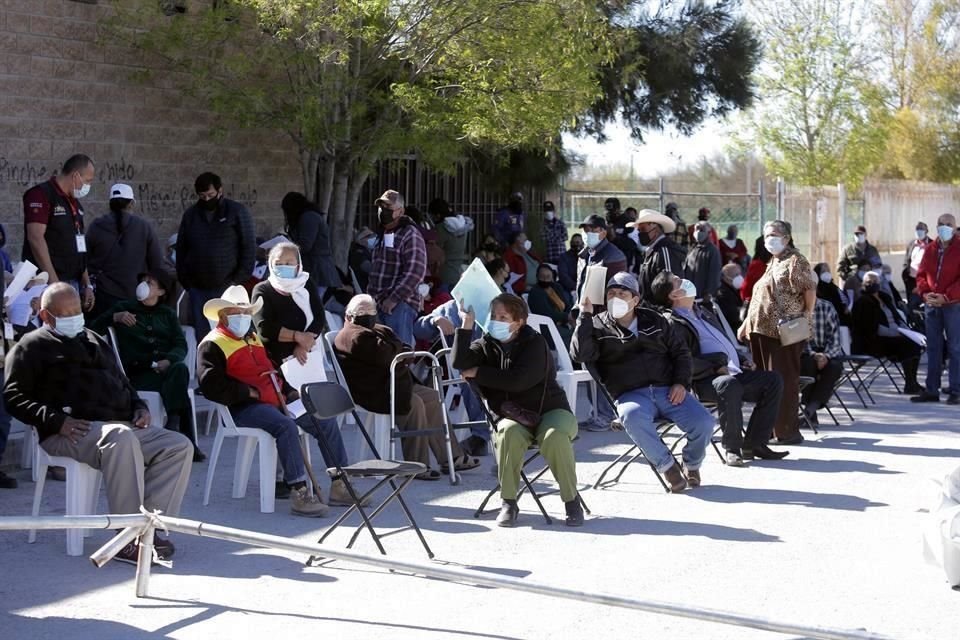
pixel 283 407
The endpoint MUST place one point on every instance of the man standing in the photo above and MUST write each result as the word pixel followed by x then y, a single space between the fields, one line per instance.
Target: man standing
pixel 53 226
pixel 702 265
pixel 599 251
pixel 662 253
pixel 912 257
pixel 399 266
pixel 65 381
pixel 567 265
pixel 857 251
pixel 703 215
pixel 216 247
pixel 938 283
pixel 617 231
pixel 509 220
pixel 679 234
pixel 553 233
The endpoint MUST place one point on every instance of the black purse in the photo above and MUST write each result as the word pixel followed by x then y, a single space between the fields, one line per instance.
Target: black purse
pixel 530 419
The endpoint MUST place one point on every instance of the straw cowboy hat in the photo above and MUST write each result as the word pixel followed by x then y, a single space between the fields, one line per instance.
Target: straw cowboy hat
pixel 235 296
pixel 649 215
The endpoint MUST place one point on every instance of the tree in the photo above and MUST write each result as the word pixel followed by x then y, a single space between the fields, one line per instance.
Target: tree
pixel 821 121
pixel 352 83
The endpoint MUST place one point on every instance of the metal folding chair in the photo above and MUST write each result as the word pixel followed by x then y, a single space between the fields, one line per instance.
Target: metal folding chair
pixel 806 381
pixel 325 400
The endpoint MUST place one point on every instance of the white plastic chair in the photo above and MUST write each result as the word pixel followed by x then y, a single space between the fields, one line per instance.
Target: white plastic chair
pixel 83 488
pixel 20 431
pixel 249 440
pixel 334 322
pixel 158 414
pixel 201 404
pixel 568 377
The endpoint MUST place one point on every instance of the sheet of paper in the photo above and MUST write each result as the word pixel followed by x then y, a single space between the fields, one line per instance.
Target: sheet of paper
pixel 388 240
pixel 513 278
pixel 274 241
pixel 475 290
pixel 595 284
pixel 20 311
pixel 24 273
pixel 916 336
pixel 296 408
pixel 297 375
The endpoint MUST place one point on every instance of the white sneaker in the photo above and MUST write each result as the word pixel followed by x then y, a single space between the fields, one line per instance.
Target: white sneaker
pixel 303 503
pixel 597 425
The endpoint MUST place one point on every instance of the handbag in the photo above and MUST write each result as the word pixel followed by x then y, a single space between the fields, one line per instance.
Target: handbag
pixel 793 329
pixel 513 411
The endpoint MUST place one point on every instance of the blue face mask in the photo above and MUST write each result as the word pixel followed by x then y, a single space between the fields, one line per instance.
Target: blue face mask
pixel 239 324
pixel 371 242
pixel 285 271
pixel 945 232
pixel 500 330
pixel 70 326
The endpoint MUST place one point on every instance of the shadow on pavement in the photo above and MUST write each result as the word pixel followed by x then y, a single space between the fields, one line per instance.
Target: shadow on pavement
pixel 825 466
pixel 870 444
pixel 739 495
pixel 603 526
pixel 57 628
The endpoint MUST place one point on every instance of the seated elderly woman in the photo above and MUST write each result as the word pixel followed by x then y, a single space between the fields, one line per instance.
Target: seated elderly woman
pixel 153 349
pixel 291 317
pixel 874 331
pixel 365 351
pixel 514 371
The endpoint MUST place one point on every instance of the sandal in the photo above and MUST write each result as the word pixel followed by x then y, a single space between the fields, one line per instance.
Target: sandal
pixel 463 463
pixel 429 474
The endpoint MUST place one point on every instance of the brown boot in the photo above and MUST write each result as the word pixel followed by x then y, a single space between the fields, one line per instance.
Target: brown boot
pixel 693 477
pixel 675 478
pixel 340 497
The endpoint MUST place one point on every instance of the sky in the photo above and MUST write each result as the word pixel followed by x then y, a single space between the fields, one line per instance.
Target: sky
pixel 661 152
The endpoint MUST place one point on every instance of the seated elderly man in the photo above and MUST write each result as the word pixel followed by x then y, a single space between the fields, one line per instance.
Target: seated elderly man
pixel 234 370
pixel 821 359
pixel 721 374
pixel 64 380
pixel 365 351
pixel 646 366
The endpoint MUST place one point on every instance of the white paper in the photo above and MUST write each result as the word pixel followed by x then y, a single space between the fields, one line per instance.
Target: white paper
pixel 19 310
pixel 296 408
pixel 595 284
pixel 81 244
pixel 274 241
pixel 475 290
pixel 297 375
pixel 388 240
pixel 916 336
pixel 514 277
pixel 25 272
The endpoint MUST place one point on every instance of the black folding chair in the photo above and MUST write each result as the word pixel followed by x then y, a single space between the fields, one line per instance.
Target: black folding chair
pixel 806 381
pixel 635 453
pixel 325 400
pixel 528 482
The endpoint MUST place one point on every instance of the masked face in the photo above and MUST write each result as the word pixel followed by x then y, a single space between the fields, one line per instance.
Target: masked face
pixel 239 324
pixel 210 199
pixel 499 330
pixel 860 237
pixel 527 245
pixel 731 235
pixel 618 307
pixel 921 234
pixel 366 321
pixel 871 287
pixel 702 235
pixel 774 244
pixel 826 276
pixel 384 216
pixel 285 271
pixel 371 242
pixel 143 291
pixel 945 232
pixel 550 214
pixel 737 282
pixel 576 246
pixel 593 239
pixel 69 326
pixel 689 289
pixel 82 190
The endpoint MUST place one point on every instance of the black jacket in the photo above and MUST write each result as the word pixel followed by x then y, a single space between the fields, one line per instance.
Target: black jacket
pixel 831 293
pixel 521 370
pixel 606 254
pixel 656 356
pixel 705 365
pixel 365 356
pixel 665 255
pixel 868 317
pixel 46 372
pixel 729 302
pixel 279 311
pixel 215 249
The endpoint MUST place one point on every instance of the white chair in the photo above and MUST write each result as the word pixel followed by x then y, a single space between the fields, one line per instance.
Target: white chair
pixel 249 440
pixel 83 488
pixel 20 431
pixel 158 414
pixel 568 377
pixel 201 404
pixel 846 340
pixel 334 322
pixel 356 283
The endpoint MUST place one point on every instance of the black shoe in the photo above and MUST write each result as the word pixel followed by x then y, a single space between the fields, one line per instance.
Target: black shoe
pixel 475 446
pixel 953 398
pixel 797 438
pixel 574 513
pixel 764 453
pixel 130 554
pixel 6 482
pixel 281 491
pixel 163 547
pixel 912 389
pixel 57 473
pixel 198 456
pixel 509 512
pixel 926 396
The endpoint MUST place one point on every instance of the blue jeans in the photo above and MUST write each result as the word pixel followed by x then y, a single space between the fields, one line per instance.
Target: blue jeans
pixel 940 320
pixel 198 298
pixel 259 415
pixel 401 320
pixel 4 426
pixel 640 408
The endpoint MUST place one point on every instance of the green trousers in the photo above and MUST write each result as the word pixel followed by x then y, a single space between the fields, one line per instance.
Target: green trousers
pixel 555 435
pixel 172 385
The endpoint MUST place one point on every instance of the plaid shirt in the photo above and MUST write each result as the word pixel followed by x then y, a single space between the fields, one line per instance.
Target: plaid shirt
pixel 397 270
pixel 826 331
pixel 554 234
pixel 680 236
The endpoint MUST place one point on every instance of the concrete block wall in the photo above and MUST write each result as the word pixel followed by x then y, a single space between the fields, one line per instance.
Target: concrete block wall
pixel 63 93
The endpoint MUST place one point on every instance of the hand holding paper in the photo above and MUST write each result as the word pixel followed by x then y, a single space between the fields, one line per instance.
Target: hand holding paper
pixel 594 284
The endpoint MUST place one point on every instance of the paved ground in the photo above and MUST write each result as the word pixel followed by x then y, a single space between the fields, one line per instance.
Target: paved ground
pixel 830 536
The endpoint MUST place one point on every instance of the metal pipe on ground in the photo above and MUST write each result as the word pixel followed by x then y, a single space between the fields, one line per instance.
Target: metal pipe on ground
pixel 461 576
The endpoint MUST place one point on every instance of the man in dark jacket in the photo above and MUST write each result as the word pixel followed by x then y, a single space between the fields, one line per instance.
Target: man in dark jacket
pixel 365 350
pixel 855 252
pixel 617 229
pixel 647 368
pixel 679 234
pixel 599 252
pixel 702 264
pixel 64 380
pixel 567 264
pixel 662 253
pixel 216 247
pixel 728 298
pixel 723 374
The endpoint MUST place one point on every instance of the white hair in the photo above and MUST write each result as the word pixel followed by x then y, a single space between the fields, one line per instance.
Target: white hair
pixel 280 249
pixel 360 303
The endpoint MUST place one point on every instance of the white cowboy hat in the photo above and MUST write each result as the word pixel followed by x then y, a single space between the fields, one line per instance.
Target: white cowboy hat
pixel 235 296
pixel 649 215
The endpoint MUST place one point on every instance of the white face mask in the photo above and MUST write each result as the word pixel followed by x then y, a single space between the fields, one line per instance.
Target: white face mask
pixel 861 237
pixel 81 192
pixel 593 239
pixel 921 234
pixel 143 291
pixel 550 215
pixel 689 289
pixel 423 289
pixel 774 244
pixel 826 276
pixel 618 307
pixel 737 282
pixel 527 245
